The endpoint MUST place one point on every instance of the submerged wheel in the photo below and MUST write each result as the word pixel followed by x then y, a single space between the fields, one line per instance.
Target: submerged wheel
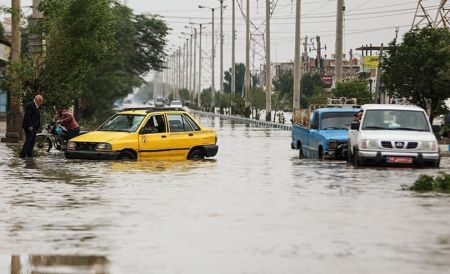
pixel 44 144
pixel 356 159
pixel 126 155
pixel 321 155
pixel 196 154
pixel 301 155
pixel 349 157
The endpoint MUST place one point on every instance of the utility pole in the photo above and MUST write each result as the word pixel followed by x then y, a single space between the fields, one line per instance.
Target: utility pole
pixel 195 66
pixel 339 28
pixel 190 64
pixel 305 55
pixel 14 116
pixel 213 89
pixel 177 93
pixel 268 68
pixel 297 74
pixel 221 47
pixel 247 77
pixel 319 54
pixel 186 63
pixel 378 96
pixel 199 100
pixel 233 50
pixel 213 92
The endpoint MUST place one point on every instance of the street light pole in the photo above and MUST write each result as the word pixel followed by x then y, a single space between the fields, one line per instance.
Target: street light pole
pixel 247 55
pixel 233 50
pixel 213 92
pixel 195 65
pixel 339 51
pixel 268 69
pixel 199 100
pixel 221 47
pixel 213 89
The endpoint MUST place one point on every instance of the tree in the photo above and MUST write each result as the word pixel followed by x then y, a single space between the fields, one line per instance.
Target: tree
pixel 96 52
pixel 257 100
pixel 418 68
pixel 310 81
pixel 240 72
pixel 354 89
pixel 284 86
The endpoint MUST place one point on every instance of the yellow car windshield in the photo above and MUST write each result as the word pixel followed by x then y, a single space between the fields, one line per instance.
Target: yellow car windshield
pixel 122 122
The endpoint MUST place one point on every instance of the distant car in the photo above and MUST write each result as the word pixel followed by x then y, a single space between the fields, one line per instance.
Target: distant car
pixel 159 102
pixel 176 104
pixel 145 134
pixel 150 103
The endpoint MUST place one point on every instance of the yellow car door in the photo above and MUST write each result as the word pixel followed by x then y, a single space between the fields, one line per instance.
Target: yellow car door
pixel 154 143
pixel 182 136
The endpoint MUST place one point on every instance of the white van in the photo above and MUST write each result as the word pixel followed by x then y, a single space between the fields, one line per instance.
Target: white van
pixel 393 134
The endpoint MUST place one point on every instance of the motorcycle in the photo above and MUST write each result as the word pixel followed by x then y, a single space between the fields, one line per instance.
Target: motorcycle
pixel 54 135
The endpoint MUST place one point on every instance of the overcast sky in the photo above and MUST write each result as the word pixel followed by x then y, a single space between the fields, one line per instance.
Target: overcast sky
pixel 366 21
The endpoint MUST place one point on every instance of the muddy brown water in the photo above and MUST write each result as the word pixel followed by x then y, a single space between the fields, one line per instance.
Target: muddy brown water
pixel 254 208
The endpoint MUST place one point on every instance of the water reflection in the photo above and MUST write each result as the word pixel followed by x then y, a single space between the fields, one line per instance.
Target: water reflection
pixel 160 166
pixel 40 264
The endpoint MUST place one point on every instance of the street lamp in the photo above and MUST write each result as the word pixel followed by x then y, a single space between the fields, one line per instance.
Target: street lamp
pixel 213 92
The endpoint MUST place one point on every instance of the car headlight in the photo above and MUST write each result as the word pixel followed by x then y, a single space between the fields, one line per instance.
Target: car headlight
pixel 72 146
pixel 369 144
pixel 429 145
pixel 103 147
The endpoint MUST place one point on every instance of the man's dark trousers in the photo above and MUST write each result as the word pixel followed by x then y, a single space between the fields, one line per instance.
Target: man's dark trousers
pixel 30 140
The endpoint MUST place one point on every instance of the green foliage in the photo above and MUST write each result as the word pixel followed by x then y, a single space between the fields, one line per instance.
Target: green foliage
pixel 205 97
pixel 284 86
pixel 418 69
pixel 237 104
pixel 319 97
pixel 184 94
pixel 96 53
pixel 427 183
pixel 240 74
pixel 354 89
pixel 309 83
pixel 257 99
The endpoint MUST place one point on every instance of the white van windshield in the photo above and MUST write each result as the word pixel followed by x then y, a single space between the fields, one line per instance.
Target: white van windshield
pixel 395 120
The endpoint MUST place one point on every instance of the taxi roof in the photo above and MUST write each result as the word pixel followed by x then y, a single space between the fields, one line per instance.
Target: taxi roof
pixel 146 110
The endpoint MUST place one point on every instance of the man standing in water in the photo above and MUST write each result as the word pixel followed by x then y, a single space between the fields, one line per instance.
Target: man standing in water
pixel 31 123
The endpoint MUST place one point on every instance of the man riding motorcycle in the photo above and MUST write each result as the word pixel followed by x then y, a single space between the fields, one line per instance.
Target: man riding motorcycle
pixel 66 119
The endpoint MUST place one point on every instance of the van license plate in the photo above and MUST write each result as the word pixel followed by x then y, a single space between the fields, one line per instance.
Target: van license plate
pixel 399 160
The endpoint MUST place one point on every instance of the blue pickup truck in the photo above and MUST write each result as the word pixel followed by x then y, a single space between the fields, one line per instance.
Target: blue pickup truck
pixel 326 135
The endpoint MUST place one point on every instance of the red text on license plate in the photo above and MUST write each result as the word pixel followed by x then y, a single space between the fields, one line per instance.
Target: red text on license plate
pixel 399 160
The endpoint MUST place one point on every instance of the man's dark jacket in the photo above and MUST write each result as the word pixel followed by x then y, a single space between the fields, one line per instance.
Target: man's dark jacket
pixel 32 117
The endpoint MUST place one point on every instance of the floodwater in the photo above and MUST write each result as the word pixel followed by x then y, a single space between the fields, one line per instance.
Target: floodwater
pixel 254 208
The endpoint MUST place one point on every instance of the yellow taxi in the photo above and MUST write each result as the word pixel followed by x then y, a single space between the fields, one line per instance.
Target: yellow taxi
pixel 145 134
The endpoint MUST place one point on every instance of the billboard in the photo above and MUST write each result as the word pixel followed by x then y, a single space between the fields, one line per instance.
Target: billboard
pixel 371 62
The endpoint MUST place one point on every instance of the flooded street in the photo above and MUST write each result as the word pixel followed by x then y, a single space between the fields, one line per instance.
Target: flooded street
pixel 254 208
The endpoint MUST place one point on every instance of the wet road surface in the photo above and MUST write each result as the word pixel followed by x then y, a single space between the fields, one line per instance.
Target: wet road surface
pixel 254 208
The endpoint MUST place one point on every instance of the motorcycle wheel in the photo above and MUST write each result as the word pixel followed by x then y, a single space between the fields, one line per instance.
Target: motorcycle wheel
pixel 44 145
